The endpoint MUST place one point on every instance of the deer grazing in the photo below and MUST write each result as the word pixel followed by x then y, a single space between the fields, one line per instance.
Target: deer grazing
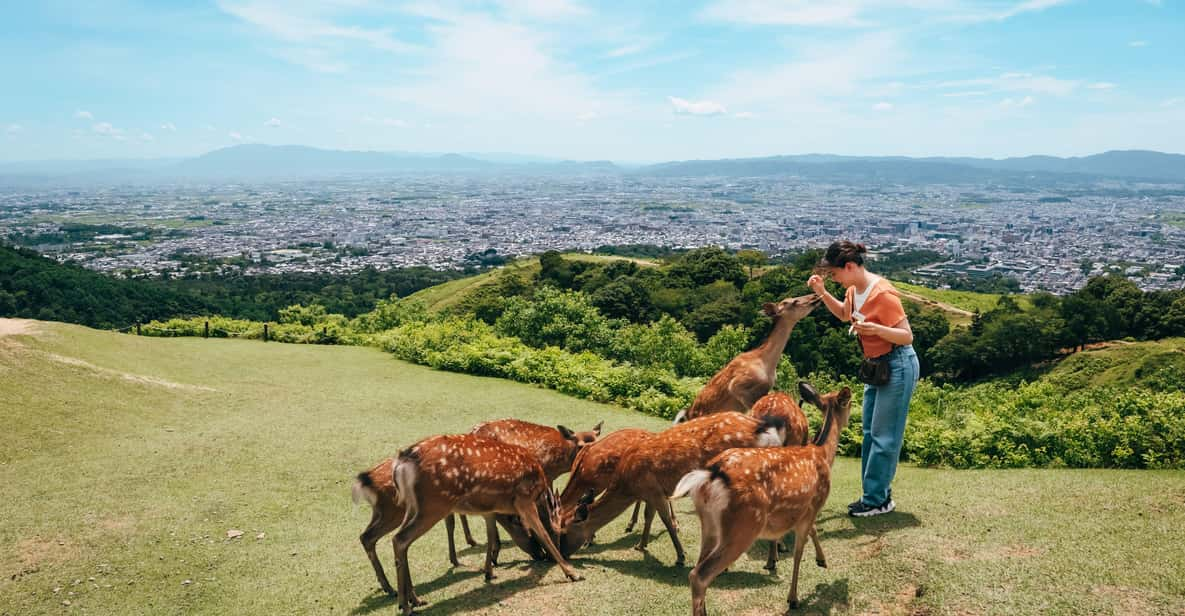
pixel 555 449
pixel 469 474
pixel 748 494
pixel 750 375
pixel 650 473
pixel 779 404
pixel 594 468
pixel 377 487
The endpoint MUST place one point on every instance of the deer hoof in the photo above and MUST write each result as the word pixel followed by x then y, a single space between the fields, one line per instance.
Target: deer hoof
pixel 640 547
pixel 822 563
pixel 680 562
pixel 574 577
pixel 794 604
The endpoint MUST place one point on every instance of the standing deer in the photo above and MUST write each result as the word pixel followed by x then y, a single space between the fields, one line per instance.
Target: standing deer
pixel 750 375
pixel 747 494
pixel 554 448
pixel 469 474
pixel 650 473
pixel 377 487
pixel 779 404
pixel 594 467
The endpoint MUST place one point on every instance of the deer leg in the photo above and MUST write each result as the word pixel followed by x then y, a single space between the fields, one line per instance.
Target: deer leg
pixel 629 528
pixel 411 531
pixel 378 527
pixel 664 512
pixel 491 547
pixel 468 535
pixel 819 558
pixel 771 563
pixel 800 535
pixel 674 520
pixel 648 520
pixel 450 525
pixel 530 517
pixel 737 536
pixel 492 535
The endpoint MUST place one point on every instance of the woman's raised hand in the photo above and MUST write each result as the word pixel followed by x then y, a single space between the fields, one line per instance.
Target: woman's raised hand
pixel 815 282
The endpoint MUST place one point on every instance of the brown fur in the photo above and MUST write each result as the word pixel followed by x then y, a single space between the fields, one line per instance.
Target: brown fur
pixel 470 474
pixel 750 375
pixel 780 404
pixel 593 471
pixel 650 473
pixel 554 448
pixel 750 494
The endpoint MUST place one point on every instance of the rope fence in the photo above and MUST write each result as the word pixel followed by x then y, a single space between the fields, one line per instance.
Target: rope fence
pixel 142 329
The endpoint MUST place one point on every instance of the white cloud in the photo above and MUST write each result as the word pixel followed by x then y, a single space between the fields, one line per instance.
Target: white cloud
pixel 1138 44
pixel 13 129
pixel 1173 102
pixel 992 12
pixel 544 9
pixel 106 129
pixel 395 123
pixel 286 21
pixel 967 93
pixel 1101 85
pixel 744 115
pixel 273 123
pixel 83 115
pixel 1017 82
pixel 168 126
pixel 1017 103
pixel 704 107
pixel 883 106
pixel 235 135
pixel 587 116
pixel 783 13
pixel 626 50
pixel 146 137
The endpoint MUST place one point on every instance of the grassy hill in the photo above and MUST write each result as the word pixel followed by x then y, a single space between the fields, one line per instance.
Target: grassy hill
pixel 124 462
pixel 1120 363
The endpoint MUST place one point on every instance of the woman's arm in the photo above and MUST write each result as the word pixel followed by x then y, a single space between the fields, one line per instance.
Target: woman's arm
pixel 900 334
pixel 841 310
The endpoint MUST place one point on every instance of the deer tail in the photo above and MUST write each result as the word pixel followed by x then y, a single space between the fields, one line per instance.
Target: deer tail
pixel 404 473
pixel 363 490
pixel 691 482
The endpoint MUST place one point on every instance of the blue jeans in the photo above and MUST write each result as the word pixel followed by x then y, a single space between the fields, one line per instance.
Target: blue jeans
pixel 885 408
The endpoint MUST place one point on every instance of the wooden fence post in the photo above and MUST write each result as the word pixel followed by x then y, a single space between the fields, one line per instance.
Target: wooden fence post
pixel 137 328
pixel 206 333
pixel 265 332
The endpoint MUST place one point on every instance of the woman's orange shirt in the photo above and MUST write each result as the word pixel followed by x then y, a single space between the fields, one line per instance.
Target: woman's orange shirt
pixel 882 307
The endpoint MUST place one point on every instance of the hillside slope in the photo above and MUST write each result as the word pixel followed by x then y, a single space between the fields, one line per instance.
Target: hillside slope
pixel 124 462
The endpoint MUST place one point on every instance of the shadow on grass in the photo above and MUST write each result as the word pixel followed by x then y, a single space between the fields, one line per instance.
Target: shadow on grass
pixel 627 540
pixel 876 525
pixel 825 598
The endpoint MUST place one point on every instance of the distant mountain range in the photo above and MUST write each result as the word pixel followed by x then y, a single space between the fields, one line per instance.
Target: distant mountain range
pixel 258 162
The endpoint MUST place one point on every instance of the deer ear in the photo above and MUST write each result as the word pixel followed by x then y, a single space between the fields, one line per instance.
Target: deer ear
pixel 769 309
pixel 597 428
pixel 588 497
pixel 845 395
pixel 565 432
pixel 809 394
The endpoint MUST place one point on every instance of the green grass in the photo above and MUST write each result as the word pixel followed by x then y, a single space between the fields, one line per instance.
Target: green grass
pixel 1119 363
pixel 1173 219
pixel 115 465
pixel 969 301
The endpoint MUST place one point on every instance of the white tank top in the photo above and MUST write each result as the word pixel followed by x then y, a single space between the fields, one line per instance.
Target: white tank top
pixel 859 298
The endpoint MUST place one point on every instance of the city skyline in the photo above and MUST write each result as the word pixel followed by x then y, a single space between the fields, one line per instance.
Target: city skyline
pixel 588 81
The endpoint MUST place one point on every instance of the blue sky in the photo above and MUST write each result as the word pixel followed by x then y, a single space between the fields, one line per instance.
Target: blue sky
pixel 627 81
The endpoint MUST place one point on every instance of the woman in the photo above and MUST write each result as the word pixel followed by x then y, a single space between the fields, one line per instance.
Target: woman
pixel 871 304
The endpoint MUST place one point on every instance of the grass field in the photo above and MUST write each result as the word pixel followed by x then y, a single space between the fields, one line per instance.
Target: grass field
pixel 124 461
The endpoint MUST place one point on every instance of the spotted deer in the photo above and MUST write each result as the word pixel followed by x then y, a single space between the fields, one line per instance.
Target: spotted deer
pixel 554 448
pixel 750 375
pixel 780 404
pixel 650 473
pixel 376 486
pixel 749 494
pixel 594 467
pixel 469 474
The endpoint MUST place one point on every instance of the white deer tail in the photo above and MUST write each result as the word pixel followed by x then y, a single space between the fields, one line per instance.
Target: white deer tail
pixel 691 482
pixel 404 474
pixel 680 417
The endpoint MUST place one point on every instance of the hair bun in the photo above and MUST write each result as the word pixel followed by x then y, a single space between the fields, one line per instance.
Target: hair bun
pixel 860 248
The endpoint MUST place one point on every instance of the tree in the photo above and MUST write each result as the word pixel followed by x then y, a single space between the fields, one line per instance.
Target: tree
pixel 751 259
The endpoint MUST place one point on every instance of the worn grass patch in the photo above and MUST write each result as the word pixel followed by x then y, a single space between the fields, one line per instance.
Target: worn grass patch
pixel 117 495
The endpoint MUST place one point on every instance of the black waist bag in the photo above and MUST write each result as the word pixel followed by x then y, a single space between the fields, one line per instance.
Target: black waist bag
pixel 875 371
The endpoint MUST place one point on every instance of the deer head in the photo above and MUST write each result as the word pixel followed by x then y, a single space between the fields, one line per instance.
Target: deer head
pixel 581 439
pixel 836 407
pixel 573 532
pixel 793 308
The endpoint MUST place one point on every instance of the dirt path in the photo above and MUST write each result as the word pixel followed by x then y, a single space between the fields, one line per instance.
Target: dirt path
pixel 17 327
pixel 941 305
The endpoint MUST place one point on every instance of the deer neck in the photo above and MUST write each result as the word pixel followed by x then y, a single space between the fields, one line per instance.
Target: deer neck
pixel 771 350
pixel 833 427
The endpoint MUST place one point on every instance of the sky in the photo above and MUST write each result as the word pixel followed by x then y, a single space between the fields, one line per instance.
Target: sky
pixel 629 81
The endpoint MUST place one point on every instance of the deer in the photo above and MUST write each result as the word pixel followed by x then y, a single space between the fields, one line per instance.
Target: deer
pixel 650 473
pixel 470 474
pixel 376 486
pixel 555 449
pixel 594 467
pixel 750 375
pixel 747 494
pixel 780 404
